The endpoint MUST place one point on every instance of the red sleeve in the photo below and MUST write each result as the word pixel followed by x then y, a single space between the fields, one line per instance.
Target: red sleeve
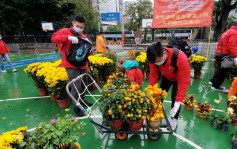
pixel 60 36
pixel 154 76
pixel 6 48
pixel 232 45
pixel 233 88
pixel 183 76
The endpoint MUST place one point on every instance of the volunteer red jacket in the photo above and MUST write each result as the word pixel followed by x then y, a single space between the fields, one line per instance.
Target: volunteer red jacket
pixel 61 37
pixel 182 74
pixel 229 42
pixel 3 48
pixel 135 75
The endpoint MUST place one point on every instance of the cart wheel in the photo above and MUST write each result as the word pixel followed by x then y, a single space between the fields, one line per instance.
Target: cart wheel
pixel 121 136
pixel 154 137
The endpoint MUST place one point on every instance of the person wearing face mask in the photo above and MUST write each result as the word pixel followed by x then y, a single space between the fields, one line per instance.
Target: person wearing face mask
pixel 161 59
pixel 66 38
pixel 4 53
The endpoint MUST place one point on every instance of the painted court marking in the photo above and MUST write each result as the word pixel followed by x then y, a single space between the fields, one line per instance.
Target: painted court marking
pixel 31 61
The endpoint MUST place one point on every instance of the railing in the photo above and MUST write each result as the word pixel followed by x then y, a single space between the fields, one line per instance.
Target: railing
pixel 46 47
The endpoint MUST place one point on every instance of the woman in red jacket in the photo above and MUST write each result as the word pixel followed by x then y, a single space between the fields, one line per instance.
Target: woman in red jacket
pixel 226 46
pixel 4 52
pixel 66 38
pixel 160 60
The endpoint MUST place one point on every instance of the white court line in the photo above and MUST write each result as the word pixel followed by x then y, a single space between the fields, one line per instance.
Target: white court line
pixel 24 98
pixel 13 99
pixel 163 130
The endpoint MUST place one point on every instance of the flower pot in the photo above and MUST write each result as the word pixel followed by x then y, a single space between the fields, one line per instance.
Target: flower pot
pixel 134 126
pixel 225 126
pixel 93 86
pixel 188 107
pixel 42 91
pixel 214 123
pixel 197 75
pixel 69 146
pixel 154 125
pixel 234 121
pixel 234 142
pixel 117 124
pixel 201 115
pixel 106 78
pixel 101 78
pixel 63 103
pixel 53 97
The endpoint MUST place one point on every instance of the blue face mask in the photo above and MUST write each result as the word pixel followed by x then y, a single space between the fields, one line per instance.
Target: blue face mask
pixel 160 63
pixel 78 30
pixel 0 38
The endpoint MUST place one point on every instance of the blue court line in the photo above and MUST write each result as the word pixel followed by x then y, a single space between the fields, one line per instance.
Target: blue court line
pixel 34 60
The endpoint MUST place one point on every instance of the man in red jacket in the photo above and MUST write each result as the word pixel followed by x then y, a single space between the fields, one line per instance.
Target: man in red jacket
pixel 160 60
pixel 228 43
pixel 66 38
pixel 4 52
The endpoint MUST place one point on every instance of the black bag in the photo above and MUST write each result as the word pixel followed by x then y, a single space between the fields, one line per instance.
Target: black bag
pixel 181 45
pixel 227 61
pixel 78 53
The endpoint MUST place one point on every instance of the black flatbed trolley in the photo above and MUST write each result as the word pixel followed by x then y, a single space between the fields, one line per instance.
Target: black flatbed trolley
pixel 122 134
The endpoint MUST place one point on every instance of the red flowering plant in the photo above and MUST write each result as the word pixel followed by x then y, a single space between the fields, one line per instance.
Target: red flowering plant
pixel 203 110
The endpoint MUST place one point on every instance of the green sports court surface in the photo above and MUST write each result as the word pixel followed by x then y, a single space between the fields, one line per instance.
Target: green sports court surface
pixel 21 105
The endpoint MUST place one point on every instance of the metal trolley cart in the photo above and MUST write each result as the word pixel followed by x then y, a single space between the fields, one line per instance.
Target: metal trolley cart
pixel 102 128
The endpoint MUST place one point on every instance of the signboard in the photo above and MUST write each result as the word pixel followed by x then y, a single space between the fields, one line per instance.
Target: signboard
pixel 111 16
pixel 47 26
pixel 182 13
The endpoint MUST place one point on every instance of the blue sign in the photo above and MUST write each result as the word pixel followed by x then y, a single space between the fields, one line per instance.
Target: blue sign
pixel 111 16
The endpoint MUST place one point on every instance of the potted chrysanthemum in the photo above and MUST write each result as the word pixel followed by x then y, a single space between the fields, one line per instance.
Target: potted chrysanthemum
pixel 155 112
pixel 113 99
pixel 197 62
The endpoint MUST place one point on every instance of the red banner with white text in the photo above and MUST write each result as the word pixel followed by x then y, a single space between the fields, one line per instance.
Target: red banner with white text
pixel 182 13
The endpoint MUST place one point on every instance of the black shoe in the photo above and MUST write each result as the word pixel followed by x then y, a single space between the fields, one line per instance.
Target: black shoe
pixel 89 104
pixel 79 112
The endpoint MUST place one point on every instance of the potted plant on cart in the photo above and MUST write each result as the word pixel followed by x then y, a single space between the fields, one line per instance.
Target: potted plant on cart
pixel 61 133
pixel 136 107
pixel 189 102
pixel 113 99
pixel 203 110
pixel 155 111
pixel 197 62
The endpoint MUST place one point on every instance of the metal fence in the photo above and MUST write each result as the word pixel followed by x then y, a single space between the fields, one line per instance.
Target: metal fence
pixel 46 47
pixel 202 48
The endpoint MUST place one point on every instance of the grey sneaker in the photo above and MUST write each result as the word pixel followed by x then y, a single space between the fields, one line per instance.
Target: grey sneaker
pixel 14 70
pixel 222 89
pixel 3 71
pixel 210 83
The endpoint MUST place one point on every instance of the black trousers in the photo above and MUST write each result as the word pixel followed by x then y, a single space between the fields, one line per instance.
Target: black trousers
pixel 165 85
pixel 220 75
